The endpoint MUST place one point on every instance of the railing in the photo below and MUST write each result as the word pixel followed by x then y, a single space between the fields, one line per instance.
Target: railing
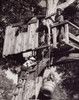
pixel 68 34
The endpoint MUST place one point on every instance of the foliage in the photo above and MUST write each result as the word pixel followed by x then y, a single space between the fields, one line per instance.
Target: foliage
pixel 70 77
pixel 6 86
pixel 60 93
pixel 12 11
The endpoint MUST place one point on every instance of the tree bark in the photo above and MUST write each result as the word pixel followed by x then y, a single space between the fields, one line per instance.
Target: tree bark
pixel 65 4
pixel 52 5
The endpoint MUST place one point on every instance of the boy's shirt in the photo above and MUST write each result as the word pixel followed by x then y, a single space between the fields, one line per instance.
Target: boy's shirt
pixel 59 18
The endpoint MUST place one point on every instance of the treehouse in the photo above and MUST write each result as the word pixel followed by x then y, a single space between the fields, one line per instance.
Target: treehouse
pixel 38 38
pixel 52 53
pixel 41 42
pixel 19 39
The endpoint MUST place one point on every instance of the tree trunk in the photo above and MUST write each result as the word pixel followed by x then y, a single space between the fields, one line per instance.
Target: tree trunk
pixel 66 4
pixel 52 5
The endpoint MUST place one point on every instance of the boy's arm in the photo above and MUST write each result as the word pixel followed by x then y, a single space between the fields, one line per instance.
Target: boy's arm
pixel 61 18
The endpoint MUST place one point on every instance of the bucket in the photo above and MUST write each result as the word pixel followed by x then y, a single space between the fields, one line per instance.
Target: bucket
pixel 48 88
pixel 49 85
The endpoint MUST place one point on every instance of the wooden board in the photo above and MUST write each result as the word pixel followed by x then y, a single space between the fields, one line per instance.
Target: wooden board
pixel 9 41
pixel 33 35
pixel 23 41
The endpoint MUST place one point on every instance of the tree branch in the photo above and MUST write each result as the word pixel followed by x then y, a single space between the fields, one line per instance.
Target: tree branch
pixel 52 5
pixel 66 4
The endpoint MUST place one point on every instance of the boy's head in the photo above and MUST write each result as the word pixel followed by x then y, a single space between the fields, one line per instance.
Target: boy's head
pixel 59 11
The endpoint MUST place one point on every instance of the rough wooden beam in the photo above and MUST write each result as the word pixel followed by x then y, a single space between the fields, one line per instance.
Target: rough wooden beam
pixel 65 22
pixel 17 24
pixel 54 31
pixel 66 33
pixel 39 48
pixel 74 55
pixel 73 25
pixel 73 37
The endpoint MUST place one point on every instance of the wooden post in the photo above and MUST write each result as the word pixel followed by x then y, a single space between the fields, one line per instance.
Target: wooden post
pixel 48 36
pixel 54 31
pixel 67 33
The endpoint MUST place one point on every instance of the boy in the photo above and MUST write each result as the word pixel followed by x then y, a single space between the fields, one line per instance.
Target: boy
pixel 60 29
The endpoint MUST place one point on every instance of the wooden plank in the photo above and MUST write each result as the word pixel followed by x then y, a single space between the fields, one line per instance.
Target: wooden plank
pixel 13 39
pixel 17 45
pixel 36 35
pixel 65 22
pixel 42 47
pixel 32 21
pixel 33 35
pixel 76 55
pixel 6 41
pixel 73 37
pixel 38 48
pixel 26 39
pixel 29 89
pixel 74 41
pixel 17 24
pixel 9 40
pixel 30 36
pixel 67 33
pixel 73 25
pixel 23 41
pixel 54 31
